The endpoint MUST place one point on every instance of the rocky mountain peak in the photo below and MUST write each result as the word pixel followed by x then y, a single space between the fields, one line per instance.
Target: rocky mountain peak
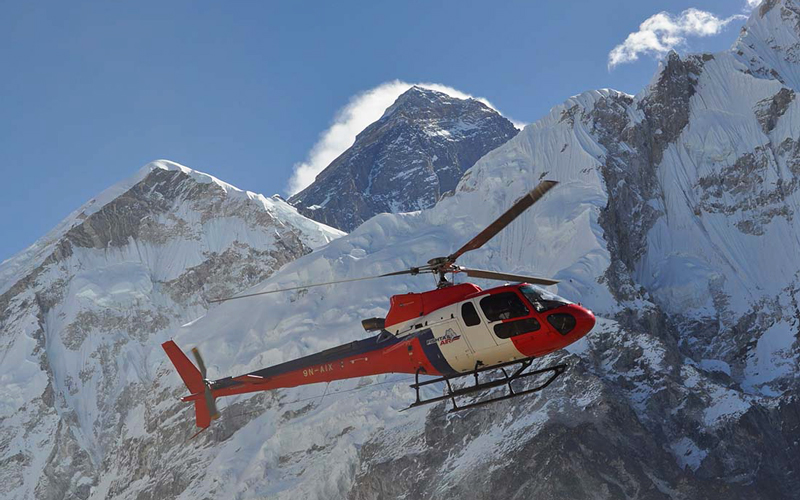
pixel 146 207
pixel 772 17
pixel 406 160
pixel 83 308
pixel 769 43
pixel 768 5
pixel 419 102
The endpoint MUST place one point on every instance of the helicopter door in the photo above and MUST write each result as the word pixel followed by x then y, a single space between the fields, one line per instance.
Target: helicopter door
pixel 499 307
pixel 450 339
pixel 475 329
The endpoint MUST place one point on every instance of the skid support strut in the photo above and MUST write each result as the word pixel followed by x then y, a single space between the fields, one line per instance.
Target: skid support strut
pixel 479 386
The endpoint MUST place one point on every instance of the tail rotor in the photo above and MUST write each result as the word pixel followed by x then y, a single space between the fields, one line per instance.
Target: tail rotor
pixel 211 405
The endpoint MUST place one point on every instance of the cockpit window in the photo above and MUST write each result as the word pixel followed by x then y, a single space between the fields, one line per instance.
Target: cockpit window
pixel 513 328
pixel 504 305
pixel 542 300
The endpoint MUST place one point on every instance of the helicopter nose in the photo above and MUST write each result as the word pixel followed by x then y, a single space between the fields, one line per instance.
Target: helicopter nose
pixel 585 321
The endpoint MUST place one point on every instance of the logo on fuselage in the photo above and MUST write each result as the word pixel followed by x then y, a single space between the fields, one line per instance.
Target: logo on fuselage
pixel 449 336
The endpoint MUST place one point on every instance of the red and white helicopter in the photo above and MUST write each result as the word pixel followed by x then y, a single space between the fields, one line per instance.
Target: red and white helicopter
pixel 457 330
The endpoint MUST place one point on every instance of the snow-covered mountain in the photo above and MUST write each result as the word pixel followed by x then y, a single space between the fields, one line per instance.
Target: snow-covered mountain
pixel 417 151
pixel 82 310
pixel 674 220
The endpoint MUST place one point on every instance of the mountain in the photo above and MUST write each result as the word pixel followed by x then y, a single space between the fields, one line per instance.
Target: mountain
pixel 674 221
pixel 82 312
pixel 415 153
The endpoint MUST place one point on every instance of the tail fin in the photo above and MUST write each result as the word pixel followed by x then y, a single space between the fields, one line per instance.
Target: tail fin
pixel 192 378
pixel 201 416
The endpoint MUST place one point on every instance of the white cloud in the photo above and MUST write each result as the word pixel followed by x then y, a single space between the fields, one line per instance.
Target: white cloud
pixel 362 110
pixel 663 32
pixel 752 4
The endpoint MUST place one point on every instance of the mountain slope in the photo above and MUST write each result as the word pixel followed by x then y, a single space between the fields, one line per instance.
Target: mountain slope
pixel 82 310
pixel 405 161
pixel 673 220
pixel 670 222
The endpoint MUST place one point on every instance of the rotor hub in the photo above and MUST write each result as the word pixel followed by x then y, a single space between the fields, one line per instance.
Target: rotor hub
pixel 438 261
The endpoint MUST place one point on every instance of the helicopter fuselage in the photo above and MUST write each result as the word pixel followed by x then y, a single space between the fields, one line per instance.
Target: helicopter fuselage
pixel 443 332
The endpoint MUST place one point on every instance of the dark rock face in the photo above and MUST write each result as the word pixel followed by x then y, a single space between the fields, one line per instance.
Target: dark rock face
pixel 770 110
pixel 667 105
pixel 405 161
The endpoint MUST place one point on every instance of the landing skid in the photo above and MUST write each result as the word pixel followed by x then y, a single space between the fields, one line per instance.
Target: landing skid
pixel 479 386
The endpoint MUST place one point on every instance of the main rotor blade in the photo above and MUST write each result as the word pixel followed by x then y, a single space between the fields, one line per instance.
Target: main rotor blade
pixel 200 365
pixel 491 275
pixel 512 213
pixel 413 270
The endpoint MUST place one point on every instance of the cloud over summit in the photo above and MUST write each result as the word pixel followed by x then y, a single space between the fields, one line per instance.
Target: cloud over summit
pixel 663 32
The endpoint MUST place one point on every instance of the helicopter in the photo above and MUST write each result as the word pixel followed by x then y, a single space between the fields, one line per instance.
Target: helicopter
pixel 491 336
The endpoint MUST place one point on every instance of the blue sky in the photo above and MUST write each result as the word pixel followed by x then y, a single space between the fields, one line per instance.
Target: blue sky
pixel 90 92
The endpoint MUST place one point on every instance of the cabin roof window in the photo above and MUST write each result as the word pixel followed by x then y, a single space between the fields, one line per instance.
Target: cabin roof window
pixel 505 305
pixel 542 300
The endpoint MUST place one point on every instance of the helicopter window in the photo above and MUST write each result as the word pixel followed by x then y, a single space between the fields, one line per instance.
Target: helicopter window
pixel 470 315
pixel 513 328
pixel 542 300
pixel 504 305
